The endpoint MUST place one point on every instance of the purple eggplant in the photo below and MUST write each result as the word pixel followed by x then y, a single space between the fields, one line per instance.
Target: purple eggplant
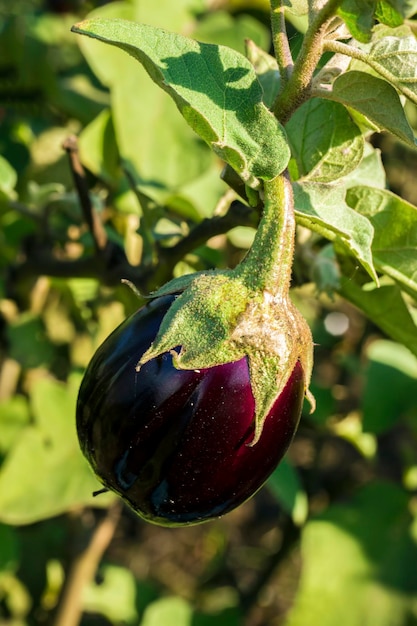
pixel 176 444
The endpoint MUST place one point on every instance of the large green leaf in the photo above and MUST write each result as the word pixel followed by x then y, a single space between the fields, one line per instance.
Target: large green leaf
pixel 215 89
pixel 394 247
pixel 326 144
pixel 322 208
pixel 385 306
pixel 376 99
pixel 45 473
pixel 359 563
pixel 143 116
pixel 390 384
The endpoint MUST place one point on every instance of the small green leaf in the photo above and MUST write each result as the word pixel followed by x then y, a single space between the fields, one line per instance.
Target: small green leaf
pixel 385 306
pixel 266 68
pixel 98 148
pixel 171 611
pixel 215 89
pixel 8 179
pixel 387 13
pixel 114 597
pixel 285 484
pixel 322 208
pixel 377 100
pixel 359 18
pixel 395 241
pixel 326 143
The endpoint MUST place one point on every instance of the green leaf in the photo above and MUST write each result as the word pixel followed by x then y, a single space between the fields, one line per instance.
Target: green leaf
pixel 398 57
pixel 297 7
pixel 8 179
pixel 389 391
pixel 359 562
pixel 359 17
pixel 322 208
pixel 219 27
pixel 45 473
pixel 9 549
pixel 14 416
pixel 394 245
pixel 171 611
pixel 285 484
pixel 387 13
pixel 29 344
pixel 215 89
pixel 144 117
pixel 326 144
pixel 266 68
pixel 377 100
pixel 370 168
pixel 385 306
pixel 98 148
pixel 114 597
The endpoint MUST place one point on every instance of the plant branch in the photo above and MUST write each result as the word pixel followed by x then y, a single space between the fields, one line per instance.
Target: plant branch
pixel 112 267
pixel 298 88
pixel 360 55
pixel 83 569
pixel 280 40
pixel 93 221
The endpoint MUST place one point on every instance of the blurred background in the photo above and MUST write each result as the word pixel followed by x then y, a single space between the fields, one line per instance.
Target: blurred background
pixel 332 538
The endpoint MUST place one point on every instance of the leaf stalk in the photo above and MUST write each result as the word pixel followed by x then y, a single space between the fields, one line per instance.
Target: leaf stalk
pixel 268 264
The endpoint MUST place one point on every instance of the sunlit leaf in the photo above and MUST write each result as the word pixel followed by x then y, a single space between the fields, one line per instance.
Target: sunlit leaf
pixel 322 208
pixel 385 306
pixel 326 144
pixel 397 55
pixel 377 100
pixel 394 247
pixel 171 611
pixel 215 89
pixel 114 597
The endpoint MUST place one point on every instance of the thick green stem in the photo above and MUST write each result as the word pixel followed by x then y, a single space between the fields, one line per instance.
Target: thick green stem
pixel 297 89
pixel 268 263
pixel 280 40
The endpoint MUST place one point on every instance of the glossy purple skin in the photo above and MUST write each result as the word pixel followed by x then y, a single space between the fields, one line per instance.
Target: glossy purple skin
pixel 174 443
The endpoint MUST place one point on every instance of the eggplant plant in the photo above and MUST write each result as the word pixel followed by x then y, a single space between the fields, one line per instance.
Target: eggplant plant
pixel 190 404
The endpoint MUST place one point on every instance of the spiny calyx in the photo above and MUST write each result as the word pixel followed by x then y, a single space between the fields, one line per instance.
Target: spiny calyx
pixel 218 319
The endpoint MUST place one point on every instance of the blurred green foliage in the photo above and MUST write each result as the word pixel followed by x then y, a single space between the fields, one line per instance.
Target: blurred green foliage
pixel 333 538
